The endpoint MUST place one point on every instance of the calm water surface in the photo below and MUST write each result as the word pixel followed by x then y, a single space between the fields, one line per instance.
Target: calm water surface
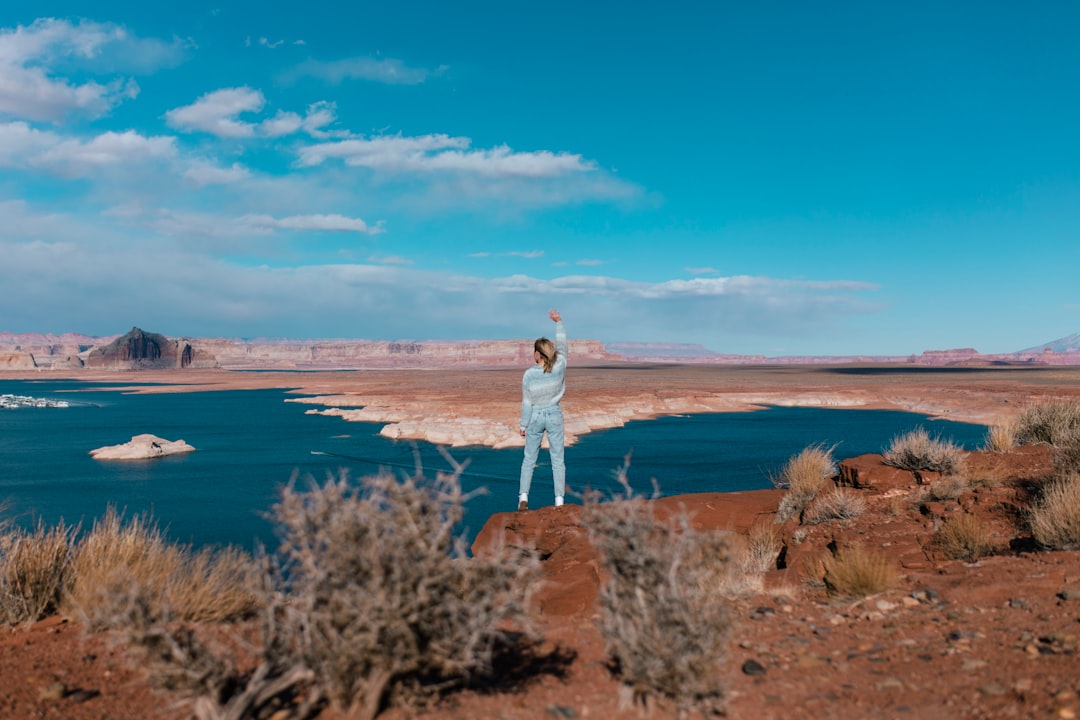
pixel 250 443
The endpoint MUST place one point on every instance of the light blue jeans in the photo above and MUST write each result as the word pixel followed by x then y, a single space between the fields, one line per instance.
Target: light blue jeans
pixel 549 419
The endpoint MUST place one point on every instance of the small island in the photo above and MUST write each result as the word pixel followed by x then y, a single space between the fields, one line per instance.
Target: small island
pixel 142 447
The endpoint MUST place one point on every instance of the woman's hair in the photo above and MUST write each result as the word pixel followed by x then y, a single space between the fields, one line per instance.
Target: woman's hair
pixel 547 350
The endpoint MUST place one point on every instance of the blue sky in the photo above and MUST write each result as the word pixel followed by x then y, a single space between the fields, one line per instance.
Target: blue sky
pixel 759 178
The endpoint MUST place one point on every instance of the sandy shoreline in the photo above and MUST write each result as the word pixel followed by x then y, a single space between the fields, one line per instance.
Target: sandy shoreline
pixel 480 407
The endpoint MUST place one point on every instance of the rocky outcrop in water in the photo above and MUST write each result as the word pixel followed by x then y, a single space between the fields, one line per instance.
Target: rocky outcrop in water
pixel 142 447
pixel 139 349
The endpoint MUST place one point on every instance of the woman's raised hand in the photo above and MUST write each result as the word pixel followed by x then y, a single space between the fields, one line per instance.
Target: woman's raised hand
pixel 554 315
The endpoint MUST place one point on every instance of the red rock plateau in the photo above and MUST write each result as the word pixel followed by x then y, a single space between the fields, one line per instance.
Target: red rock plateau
pixel 994 638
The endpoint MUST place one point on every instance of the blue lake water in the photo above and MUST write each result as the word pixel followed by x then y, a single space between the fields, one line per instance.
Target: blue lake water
pixel 249 443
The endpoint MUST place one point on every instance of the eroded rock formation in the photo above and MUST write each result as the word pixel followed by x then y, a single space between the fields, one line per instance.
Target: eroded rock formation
pixel 139 349
pixel 17 360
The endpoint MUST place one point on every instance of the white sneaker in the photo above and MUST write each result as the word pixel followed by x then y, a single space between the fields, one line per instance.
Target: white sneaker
pixel 558 500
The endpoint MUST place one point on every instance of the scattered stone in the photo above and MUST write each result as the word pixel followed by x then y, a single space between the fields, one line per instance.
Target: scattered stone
pixel 1018 604
pixel 52 692
pixel 1069 594
pixel 753 667
pixel 993 688
pixel 81 696
pixel 1066 713
pixel 885 605
pixel 561 711
pixel 973 665
pixel 909 602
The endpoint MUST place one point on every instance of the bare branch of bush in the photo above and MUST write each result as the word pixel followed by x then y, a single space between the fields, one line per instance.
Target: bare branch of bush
pixel 916 450
pixel 1055 516
pixel 207 672
pixel 394 609
pixel 665 633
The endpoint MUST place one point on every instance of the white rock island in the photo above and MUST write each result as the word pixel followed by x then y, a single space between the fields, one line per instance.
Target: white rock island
pixel 142 447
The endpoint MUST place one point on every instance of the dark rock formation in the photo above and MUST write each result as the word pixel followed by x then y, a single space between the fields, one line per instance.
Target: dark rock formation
pixel 142 350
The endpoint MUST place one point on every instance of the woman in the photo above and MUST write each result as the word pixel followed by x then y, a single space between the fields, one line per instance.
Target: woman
pixel 541 390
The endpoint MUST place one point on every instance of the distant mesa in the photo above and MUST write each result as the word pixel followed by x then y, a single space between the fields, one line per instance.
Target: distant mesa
pixel 140 350
pixel 142 447
pixel 17 360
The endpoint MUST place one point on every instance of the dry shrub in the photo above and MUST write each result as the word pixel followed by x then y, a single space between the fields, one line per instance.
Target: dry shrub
pixel 949 488
pixel 1001 437
pixel 916 450
pixel 804 476
pixel 1067 456
pixel 1055 516
pixel 35 569
pixel 665 632
pixel 856 572
pixel 964 537
pixel 393 608
pixel 763 544
pixel 204 663
pixel 116 561
pixel 840 503
pixel 1054 422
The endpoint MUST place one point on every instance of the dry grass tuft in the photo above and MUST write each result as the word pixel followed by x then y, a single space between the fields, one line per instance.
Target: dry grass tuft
pixel 964 537
pixel 916 450
pixel 763 544
pixel 35 569
pixel 665 632
pixel 856 572
pixel 948 488
pixel 1054 422
pixel 1055 516
pixel 1001 437
pixel 839 503
pixel 804 476
pixel 117 561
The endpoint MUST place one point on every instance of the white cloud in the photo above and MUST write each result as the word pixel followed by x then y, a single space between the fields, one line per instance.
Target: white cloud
pixel 389 260
pixel 31 55
pixel 108 148
pixel 527 254
pixel 207 173
pixel 332 223
pixel 217 113
pixel 700 270
pixel 63 285
pixel 381 70
pixel 589 262
pixel 439 152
